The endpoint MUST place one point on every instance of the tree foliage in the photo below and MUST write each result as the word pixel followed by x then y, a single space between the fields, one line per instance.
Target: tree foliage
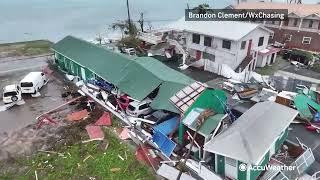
pixel 202 8
pixel 125 27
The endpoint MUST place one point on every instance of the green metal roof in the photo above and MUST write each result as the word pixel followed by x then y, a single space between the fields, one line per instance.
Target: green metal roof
pixel 302 103
pixel 210 99
pixel 209 125
pixel 104 63
pixel 166 91
pixel 137 77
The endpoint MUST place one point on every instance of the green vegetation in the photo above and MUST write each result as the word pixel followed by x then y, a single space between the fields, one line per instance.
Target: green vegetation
pixel 299 55
pixel 82 161
pixel 316 67
pixel 202 8
pixel 28 48
pixel 270 70
pixel 129 34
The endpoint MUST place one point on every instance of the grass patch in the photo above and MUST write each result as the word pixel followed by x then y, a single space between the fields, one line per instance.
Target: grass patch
pixel 270 70
pixel 28 48
pixel 72 164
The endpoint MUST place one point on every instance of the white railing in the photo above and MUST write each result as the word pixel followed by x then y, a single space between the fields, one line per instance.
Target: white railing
pixel 180 48
pixel 301 163
pixel 316 175
pixel 294 28
pixel 150 38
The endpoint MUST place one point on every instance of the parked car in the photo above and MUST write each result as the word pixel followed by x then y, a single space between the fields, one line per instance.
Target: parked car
pixel 139 108
pixel 130 51
pixel 33 82
pixel 11 93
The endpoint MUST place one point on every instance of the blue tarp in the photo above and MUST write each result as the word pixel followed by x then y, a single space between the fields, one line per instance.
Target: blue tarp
pixel 165 144
pixel 167 126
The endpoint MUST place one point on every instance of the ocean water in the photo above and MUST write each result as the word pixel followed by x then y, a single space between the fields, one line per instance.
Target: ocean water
pixel 22 20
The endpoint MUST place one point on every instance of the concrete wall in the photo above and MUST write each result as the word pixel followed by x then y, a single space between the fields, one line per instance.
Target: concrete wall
pixel 296 39
pixel 235 55
pixel 305 24
pixel 222 55
pixel 254 35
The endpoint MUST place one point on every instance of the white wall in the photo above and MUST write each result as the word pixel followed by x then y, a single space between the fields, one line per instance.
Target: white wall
pixel 291 22
pixel 222 55
pixel 235 55
pixel 305 23
pixel 254 35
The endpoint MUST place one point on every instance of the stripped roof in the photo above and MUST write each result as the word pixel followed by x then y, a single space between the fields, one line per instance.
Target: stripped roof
pixel 221 29
pixel 250 137
pixel 301 10
pixel 184 98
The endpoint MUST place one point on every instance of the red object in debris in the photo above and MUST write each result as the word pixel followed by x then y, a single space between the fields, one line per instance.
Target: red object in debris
pixel 104 120
pixel 142 154
pixel 76 116
pixel 95 132
pixel 311 128
pixel 45 119
pixel 124 134
pixel 124 102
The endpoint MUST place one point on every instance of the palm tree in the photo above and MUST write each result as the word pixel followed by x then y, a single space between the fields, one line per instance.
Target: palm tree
pixel 125 27
pixel 202 8
pixel 120 25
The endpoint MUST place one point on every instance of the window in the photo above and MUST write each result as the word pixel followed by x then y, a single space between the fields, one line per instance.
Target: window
pixel 26 84
pixel 287 37
pixel 295 22
pixel 196 38
pixel 8 94
pixel 261 39
pixel 310 24
pixel 208 56
pixel 231 162
pixel 130 107
pixel 271 36
pixel 306 40
pixel 207 41
pixel 226 44
pixel 243 44
pixel 144 106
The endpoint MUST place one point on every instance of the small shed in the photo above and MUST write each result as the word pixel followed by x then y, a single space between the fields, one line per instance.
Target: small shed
pixel 251 140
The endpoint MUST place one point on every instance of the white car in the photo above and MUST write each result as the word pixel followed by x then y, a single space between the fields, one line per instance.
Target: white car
pixel 139 109
pixel 130 51
pixel 33 82
pixel 11 93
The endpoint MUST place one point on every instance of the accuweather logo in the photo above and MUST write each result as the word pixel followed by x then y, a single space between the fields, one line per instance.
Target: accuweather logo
pixel 244 167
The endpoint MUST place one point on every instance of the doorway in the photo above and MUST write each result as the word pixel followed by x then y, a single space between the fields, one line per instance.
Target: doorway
pixel 198 55
pixel 249 47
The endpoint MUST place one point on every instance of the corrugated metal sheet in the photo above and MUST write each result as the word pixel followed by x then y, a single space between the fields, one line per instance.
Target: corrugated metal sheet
pixel 137 77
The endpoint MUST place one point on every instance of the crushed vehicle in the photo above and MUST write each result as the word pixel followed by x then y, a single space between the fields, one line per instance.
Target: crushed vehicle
pixel 139 109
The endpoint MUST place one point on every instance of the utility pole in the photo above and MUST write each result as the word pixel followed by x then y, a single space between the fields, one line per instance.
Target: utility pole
pixel 129 19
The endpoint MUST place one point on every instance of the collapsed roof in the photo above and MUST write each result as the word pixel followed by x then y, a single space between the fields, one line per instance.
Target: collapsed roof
pixel 137 77
pixel 253 133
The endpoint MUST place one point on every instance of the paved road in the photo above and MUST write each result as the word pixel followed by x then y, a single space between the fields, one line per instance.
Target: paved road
pixel 11 65
pixel 12 71
pixel 310 139
pixel 297 76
